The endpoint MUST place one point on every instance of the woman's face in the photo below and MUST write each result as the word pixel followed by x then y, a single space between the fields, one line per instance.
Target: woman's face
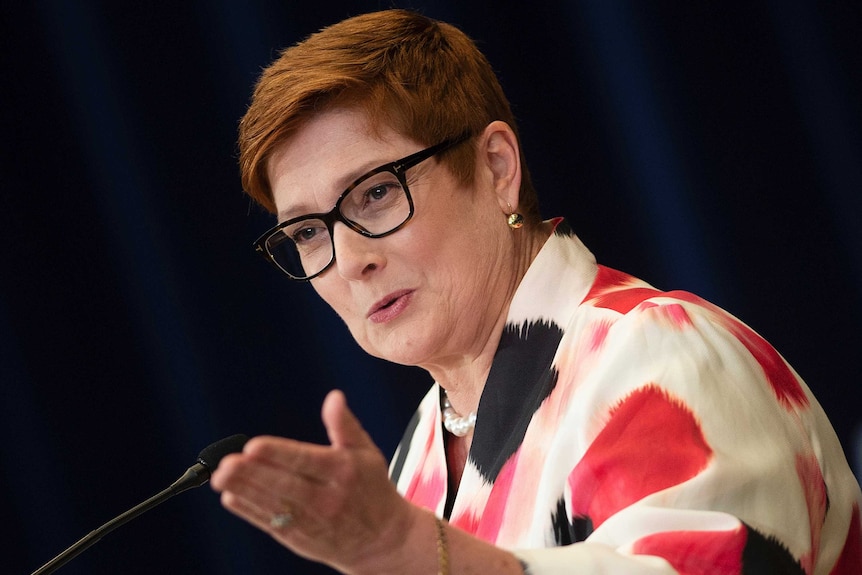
pixel 424 295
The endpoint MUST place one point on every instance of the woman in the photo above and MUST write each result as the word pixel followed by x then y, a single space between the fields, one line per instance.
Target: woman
pixel 580 421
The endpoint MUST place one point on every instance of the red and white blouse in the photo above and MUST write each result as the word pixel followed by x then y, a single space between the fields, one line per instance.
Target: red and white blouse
pixel 623 429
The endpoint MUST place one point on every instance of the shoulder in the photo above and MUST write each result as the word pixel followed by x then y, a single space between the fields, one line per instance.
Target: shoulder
pixel 697 326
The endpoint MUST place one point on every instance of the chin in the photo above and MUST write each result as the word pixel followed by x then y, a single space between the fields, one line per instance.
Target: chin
pixel 395 350
pixel 396 356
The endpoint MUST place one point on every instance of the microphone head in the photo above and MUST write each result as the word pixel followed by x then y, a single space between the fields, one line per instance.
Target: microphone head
pixel 212 454
pixel 208 460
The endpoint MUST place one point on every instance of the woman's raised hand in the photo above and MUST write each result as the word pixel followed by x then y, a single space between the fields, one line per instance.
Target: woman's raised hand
pixel 329 503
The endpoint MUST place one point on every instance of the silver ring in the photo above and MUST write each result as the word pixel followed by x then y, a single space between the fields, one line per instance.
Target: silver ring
pixel 281 520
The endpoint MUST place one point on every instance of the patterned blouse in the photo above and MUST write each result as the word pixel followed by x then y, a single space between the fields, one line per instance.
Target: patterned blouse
pixel 627 430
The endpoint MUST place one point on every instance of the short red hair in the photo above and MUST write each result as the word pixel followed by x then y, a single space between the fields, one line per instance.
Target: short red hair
pixel 423 78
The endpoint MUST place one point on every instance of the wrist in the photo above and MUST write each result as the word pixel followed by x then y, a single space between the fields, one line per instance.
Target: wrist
pixel 403 546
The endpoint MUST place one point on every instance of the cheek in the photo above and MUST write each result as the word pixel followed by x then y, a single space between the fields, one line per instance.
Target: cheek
pixel 339 298
pixel 334 295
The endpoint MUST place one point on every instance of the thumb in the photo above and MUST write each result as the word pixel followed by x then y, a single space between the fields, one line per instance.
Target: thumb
pixel 342 427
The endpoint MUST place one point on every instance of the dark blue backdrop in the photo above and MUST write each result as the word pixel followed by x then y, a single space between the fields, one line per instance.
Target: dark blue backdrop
pixel 702 146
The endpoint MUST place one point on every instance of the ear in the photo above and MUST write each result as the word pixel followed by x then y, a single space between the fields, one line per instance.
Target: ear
pixel 500 156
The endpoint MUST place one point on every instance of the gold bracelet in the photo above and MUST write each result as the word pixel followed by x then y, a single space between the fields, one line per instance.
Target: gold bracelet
pixel 442 548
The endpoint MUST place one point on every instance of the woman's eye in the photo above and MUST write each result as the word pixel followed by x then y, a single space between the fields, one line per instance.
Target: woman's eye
pixel 377 192
pixel 304 235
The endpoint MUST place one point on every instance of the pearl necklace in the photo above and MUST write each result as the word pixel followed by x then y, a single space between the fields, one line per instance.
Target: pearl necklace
pixel 454 422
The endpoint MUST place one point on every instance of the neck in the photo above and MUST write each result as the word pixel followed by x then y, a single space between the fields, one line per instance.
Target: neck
pixel 463 376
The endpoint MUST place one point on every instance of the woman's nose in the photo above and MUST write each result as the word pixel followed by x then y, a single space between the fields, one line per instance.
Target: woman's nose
pixel 355 255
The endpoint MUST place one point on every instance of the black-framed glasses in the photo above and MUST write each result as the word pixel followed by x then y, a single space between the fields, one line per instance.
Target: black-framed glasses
pixel 375 205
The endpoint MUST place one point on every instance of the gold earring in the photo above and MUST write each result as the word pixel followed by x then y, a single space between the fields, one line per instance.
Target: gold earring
pixel 515 219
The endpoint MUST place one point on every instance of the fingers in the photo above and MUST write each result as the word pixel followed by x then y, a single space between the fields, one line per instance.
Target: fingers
pixel 255 490
pixel 280 455
pixel 250 510
pixel 287 524
pixel 342 427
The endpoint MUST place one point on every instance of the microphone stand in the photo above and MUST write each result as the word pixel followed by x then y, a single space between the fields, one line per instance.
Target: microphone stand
pixel 196 475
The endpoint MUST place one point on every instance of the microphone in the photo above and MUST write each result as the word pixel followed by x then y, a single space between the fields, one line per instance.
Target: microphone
pixel 195 476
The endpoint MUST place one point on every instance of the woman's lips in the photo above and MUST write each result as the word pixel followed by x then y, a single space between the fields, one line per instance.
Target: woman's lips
pixel 390 307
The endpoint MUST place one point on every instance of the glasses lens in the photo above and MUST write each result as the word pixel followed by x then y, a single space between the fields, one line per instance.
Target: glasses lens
pixel 378 204
pixel 302 249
